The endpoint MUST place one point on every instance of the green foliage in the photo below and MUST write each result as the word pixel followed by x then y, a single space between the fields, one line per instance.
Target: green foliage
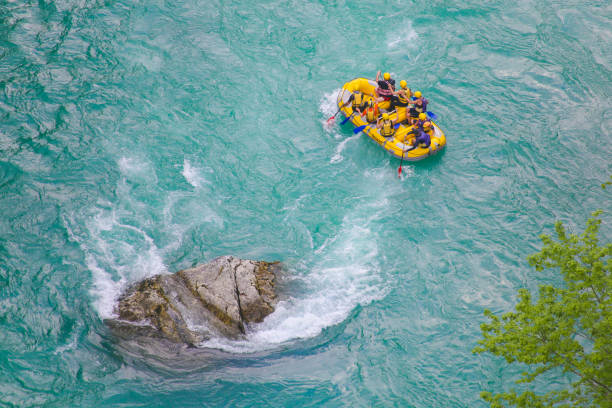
pixel 567 329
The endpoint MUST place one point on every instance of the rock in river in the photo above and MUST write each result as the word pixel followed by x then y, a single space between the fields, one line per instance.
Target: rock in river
pixel 192 305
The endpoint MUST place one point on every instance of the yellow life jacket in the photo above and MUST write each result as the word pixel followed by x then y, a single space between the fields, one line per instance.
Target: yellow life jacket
pixel 387 129
pixel 357 100
pixel 402 99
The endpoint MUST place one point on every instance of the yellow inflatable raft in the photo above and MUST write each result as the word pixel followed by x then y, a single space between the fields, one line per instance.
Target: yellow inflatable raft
pixel 395 145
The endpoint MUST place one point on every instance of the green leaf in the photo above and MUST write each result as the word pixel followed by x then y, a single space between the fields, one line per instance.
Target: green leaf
pixel 567 328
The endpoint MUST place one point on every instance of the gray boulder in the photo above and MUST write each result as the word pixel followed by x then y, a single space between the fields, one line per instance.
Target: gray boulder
pixel 192 305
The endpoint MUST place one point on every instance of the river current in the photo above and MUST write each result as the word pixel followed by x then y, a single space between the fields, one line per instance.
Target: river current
pixel 144 137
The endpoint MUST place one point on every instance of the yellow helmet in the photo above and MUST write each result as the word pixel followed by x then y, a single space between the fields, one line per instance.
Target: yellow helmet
pixel 385 116
pixel 403 84
pixel 418 94
pixel 386 76
pixel 422 116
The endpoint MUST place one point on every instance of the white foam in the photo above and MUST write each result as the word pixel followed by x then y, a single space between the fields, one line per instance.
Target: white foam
pixel 105 290
pixel 337 158
pixel 118 254
pixel 402 38
pixel 127 165
pixel 137 169
pixel 342 273
pixel 116 238
pixel 119 250
pixel 347 273
pixel 328 107
pixel 193 175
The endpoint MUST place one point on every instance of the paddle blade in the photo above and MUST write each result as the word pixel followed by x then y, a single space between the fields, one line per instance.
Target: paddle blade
pixel 359 129
pixel 397 125
pixel 399 171
pixel 330 119
pixel 346 120
pixel 432 115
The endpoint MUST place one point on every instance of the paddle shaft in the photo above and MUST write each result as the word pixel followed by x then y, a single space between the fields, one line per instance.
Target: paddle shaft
pixel 334 115
pixel 347 118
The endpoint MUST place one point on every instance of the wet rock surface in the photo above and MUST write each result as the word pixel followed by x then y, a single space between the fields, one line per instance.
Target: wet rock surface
pixel 210 300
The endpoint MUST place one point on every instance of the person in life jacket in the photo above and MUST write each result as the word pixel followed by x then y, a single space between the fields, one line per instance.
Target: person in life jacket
pixel 371 112
pixel 417 105
pixel 385 90
pixel 428 128
pixel 422 139
pixel 420 103
pixel 418 120
pixel 422 119
pixel 357 101
pixel 400 101
pixel 412 110
pixel 386 126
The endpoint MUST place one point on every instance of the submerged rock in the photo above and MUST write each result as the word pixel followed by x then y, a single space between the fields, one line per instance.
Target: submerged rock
pixel 192 305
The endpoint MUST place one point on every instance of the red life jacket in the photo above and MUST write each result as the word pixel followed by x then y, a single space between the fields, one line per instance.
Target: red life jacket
pixel 371 114
pixel 385 93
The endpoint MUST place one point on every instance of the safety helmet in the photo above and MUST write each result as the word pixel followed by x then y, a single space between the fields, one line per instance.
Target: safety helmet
pixel 422 116
pixel 386 76
pixel 418 94
pixel 427 124
pixel 385 116
pixel 403 84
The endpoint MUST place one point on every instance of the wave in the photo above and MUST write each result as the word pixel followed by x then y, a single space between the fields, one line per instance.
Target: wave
pixel 337 158
pixel 346 272
pixel 120 254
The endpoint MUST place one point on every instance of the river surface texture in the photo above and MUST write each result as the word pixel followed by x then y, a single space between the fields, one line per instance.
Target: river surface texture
pixel 143 137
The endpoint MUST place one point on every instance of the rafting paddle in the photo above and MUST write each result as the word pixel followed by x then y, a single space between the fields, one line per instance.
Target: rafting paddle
pixel 338 111
pixel 347 118
pixel 399 171
pixel 333 117
pixel 359 128
pixel 432 115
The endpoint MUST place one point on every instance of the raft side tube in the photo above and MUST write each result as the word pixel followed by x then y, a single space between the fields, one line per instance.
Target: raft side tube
pixel 393 146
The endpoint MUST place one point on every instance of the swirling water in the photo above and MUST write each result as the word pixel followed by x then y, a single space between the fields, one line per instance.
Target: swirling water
pixel 142 137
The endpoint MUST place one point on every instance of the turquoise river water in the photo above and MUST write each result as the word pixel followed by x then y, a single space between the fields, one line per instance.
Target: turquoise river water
pixel 143 137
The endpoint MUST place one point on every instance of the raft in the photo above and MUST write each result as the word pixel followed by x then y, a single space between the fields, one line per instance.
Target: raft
pixel 395 145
